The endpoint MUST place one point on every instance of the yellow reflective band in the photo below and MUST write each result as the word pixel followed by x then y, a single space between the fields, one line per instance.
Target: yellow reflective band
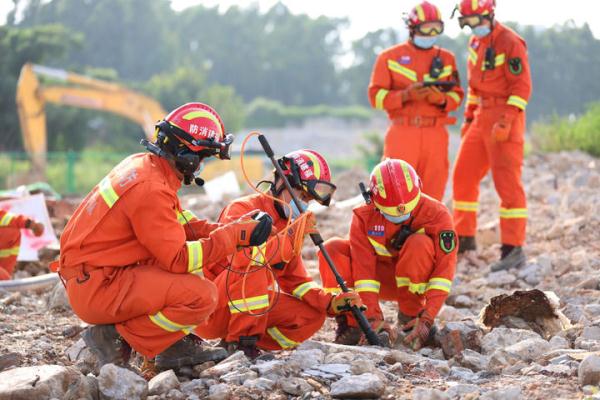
pixel 407 178
pixel 367 285
pixel 6 219
pixel 408 207
pixel 107 192
pixel 472 99
pixel 258 254
pixel 316 166
pixel 185 216
pixel 407 73
pixel 416 288
pixel 474 5
pixel 471 206
pixel 203 114
pixel 421 231
pixel 380 97
pixel 302 289
pixel 333 290
pixel 513 213
pixel 165 323
pixel 248 304
pixel 379 248
pixel 447 71
pixel 380 185
pixel 12 251
pixel 420 13
pixel 281 339
pixel 517 102
pixel 472 57
pixel 454 96
pixel 440 284
pixel 195 257
pixel 498 61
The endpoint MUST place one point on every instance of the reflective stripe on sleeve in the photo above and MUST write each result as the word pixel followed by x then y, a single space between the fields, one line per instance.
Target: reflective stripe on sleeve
pixel 380 97
pixel 281 339
pixel 379 248
pixel 6 219
pixel 107 192
pixel 185 216
pixel 302 289
pixel 454 96
pixel 416 288
pixel 12 251
pixel 249 304
pixel 367 285
pixel 517 101
pixel 472 57
pixel 165 323
pixel 440 284
pixel 195 257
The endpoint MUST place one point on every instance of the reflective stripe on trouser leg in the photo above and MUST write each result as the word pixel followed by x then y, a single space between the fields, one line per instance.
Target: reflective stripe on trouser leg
pixel 281 339
pixel 168 325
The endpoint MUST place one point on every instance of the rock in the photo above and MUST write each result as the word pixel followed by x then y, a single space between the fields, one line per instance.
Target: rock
pixel 58 300
pixel 120 383
pixel 529 349
pixel 455 337
pixel 295 386
pixel 239 376
pixel 396 369
pixel 44 382
pixel 589 370
pixel 511 392
pixel 365 386
pixel 473 360
pixel 372 352
pixel 558 342
pixel 560 369
pixel 359 367
pixel 398 356
pixel 591 332
pixel 273 367
pixel 464 374
pixel 196 387
pixel 449 313
pixel 306 359
pixel 501 337
pixel 461 391
pixel 9 360
pixel 85 361
pixel 344 357
pixel 262 384
pixel 236 361
pixel 199 368
pixel 163 382
pixel 219 392
pixel 175 394
pixel 421 393
pixel 500 278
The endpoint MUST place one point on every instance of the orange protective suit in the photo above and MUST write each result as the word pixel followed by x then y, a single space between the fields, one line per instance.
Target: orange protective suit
pixel 10 241
pixel 417 133
pixel 129 260
pixel 494 95
pixel 418 277
pixel 281 321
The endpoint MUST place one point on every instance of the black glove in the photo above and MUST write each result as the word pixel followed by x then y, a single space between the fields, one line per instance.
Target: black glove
pixel 262 230
pixel 400 237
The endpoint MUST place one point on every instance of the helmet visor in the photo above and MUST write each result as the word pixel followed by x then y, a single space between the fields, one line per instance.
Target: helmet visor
pixel 321 191
pixel 470 20
pixel 430 28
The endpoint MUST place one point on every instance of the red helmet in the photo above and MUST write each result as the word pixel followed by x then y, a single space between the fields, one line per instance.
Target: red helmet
pixel 426 19
pixel 308 171
pixel 477 7
pixel 395 187
pixel 199 128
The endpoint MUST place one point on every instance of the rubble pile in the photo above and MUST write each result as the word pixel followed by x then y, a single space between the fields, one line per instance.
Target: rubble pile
pixel 527 333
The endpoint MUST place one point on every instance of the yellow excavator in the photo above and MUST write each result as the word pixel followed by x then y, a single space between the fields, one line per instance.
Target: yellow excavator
pixel 67 88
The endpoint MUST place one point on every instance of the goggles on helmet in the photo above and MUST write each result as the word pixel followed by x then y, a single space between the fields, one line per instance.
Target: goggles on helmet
pixel 321 191
pixel 471 20
pixel 429 28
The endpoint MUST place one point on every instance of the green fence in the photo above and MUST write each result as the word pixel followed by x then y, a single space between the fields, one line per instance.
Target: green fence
pixel 67 172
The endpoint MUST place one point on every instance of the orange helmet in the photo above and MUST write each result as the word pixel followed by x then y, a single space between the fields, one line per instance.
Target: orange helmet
pixel 189 134
pixel 395 187
pixel 425 19
pixel 308 171
pixel 474 11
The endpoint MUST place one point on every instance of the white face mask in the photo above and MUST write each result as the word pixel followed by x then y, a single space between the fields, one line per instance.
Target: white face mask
pixel 396 220
pixel 295 211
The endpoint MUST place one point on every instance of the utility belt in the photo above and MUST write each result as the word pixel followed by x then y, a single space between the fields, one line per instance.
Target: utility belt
pixel 420 121
pixel 81 272
pixel 489 102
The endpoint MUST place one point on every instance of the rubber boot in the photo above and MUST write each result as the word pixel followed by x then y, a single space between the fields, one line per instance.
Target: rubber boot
pixel 188 351
pixel 107 345
pixel 512 257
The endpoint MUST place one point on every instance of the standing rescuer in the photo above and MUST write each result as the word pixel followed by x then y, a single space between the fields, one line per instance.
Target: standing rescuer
pixel 418 113
pixel 10 239
pixel 493 130
pixel 402 247
pixel 253 315
pixel 132 259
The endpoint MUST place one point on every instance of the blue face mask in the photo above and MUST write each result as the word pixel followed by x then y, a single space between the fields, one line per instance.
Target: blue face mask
pixel 481 31
pixel 295 211
pixel 396 220
pixel 425 42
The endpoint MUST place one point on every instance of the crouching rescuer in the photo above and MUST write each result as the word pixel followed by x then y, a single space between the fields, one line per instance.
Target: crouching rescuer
pixel 132 259
pixel 267 300
pixel 402 247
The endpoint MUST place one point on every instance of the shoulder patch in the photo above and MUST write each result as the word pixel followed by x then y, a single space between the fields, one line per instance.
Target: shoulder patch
pixel 404 60
pixel 447 241
pixel 515 66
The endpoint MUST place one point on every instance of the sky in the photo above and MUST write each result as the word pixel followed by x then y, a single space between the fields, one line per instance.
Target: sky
pixel 365 16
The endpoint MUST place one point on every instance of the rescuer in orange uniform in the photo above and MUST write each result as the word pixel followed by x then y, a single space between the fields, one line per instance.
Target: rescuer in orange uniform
pixel 133 260
pixel 418 114
pixel 402 247
pixel 251 314
pixel 10 239
pixel 493 130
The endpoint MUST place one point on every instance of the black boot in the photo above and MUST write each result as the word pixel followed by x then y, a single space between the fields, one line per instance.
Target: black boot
pixel 511 257
pixel 188 351
pixel 106 343
pixel 466 243
pixel 247 344
pixel 346 334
